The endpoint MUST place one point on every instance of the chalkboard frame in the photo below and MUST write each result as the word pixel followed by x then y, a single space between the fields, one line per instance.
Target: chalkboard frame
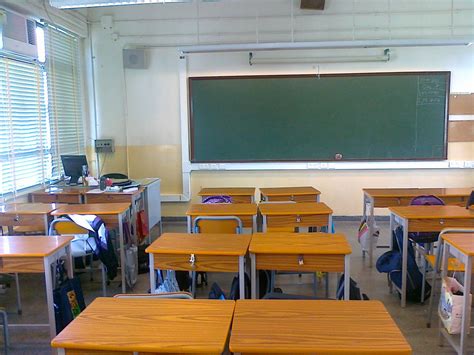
pixel 276 76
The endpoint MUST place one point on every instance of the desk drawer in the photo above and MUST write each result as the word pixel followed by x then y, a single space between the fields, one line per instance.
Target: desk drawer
pixel 22 220
pixel 297 198
pixel 20 265
pixel 311 220
pixel 108 198
pixel 436 225
pixel 384 202
pixel 290 262
pixel 55 198
pixel 455 201
pixel 216 263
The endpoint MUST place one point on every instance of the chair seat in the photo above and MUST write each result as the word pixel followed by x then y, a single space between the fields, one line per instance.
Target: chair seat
pixel 453 263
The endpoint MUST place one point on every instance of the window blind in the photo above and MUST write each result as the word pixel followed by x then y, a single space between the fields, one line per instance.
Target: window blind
pixel 64 95
pixel 25 158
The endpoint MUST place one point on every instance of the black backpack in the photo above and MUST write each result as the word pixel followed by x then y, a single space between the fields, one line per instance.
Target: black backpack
pixel 354 290
pixel 391 263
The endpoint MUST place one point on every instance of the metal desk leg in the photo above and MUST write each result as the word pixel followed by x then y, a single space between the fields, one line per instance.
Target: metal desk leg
pixel 253 276
pixel 370 222
pixel 254 223
pixel 264 223
pixel 318 198
pixel 329 223
pixel 189 220
pixel 152 273
pixel 49 294
pixel 466 306
pixel 404 262
pixel 347 276
pixel 122 253
pixel 242 277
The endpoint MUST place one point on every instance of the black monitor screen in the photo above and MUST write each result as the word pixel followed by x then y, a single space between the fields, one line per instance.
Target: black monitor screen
pixel 72 165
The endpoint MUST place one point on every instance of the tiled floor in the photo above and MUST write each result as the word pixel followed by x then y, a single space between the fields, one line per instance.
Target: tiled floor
pixel 411 320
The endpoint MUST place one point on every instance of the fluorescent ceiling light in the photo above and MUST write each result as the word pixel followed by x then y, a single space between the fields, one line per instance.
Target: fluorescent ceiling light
pixel 74 4
pixel 246 47
pixel 316 60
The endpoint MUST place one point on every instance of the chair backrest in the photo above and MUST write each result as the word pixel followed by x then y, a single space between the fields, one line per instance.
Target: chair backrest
pixel 217 224
pixel 426 200
pixel 173 295
pixel 271 229
pixel 64 226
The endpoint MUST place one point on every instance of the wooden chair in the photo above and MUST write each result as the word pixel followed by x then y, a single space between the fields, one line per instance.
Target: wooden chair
pixel 82 245
pixel 214 225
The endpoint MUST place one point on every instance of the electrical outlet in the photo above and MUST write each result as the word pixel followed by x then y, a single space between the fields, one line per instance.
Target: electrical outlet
pixel 104 145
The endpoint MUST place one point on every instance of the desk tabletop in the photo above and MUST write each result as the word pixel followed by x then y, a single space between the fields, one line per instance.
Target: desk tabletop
pixel 299 243
pixel 95 192
pixel 326 327
pixel 200 244
pixel 289 208
pixel 228 191
pixel 150 325
pixel 28 208
pixel 31 246
pixel 93 208
pixel 285 191
pixel 222 209
pixel 464 242
pixel 432 212
pixel 414 192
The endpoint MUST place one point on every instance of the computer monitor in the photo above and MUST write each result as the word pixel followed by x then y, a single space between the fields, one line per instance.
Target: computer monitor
pixel 72 165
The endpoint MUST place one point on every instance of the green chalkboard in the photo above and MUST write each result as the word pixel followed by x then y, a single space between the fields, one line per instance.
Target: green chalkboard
pixel 348 117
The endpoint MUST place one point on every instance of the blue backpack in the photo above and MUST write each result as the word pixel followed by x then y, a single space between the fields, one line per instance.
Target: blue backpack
pixel 391 263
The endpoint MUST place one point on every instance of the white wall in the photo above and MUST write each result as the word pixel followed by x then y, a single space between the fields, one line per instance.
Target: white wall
pixel 140 108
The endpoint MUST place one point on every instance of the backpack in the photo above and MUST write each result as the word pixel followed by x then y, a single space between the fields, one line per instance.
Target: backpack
pixel 391 263
pixel 234 293
pixel 217 199
pixel 425 200
pixel 354 290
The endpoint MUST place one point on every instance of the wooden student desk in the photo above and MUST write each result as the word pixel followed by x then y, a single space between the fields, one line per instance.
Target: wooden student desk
pixel 392 197
pixel 36 254
pixel 247 212
pixel 300 252
pixel 199 252
pixel 237 194
pixel 426 219
pixel 292 215
pixel 126 326
pixel 113 215
pixel 462 247
pixel 27 214
pixel 297 194
pixel 315 327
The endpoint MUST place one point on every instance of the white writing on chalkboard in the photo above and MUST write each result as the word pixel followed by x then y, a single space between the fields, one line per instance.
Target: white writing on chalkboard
pixel 431 91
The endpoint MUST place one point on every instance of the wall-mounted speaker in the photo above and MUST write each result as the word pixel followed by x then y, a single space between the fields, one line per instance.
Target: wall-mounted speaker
pixel 312 4
pixel 134 59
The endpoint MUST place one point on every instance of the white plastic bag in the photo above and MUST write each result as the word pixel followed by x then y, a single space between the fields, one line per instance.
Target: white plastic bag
pixel 450 307
pixel 131 265
pixel 363 235
pixel 169 284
